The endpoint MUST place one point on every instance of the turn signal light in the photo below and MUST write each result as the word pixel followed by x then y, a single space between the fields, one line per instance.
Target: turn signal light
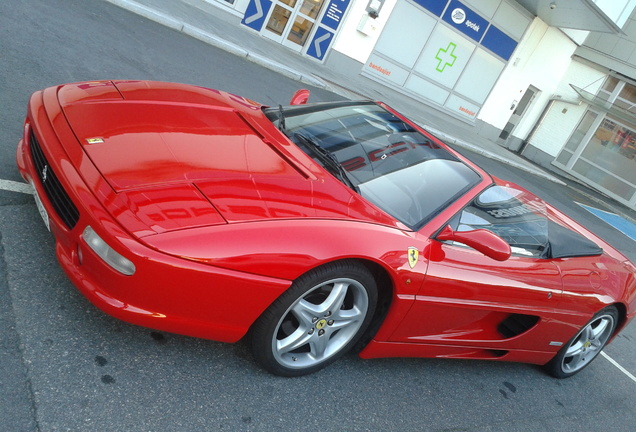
pixel 108 254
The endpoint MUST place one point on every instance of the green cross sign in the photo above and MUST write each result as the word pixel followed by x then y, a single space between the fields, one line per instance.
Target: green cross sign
pixel 446 57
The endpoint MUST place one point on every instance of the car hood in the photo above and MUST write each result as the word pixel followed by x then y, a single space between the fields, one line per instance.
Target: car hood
pixel 138 142
pixel 179 156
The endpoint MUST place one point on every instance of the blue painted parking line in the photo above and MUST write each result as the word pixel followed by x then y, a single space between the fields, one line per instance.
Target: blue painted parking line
pixel 621 224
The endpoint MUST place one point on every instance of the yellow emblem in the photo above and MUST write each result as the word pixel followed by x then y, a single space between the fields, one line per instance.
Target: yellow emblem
pixel 414 254
pixel 96 140
pixel 321 324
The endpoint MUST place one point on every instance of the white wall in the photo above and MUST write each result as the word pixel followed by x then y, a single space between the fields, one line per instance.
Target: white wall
pixel 562 119
pixel 354 43
pixel 541 59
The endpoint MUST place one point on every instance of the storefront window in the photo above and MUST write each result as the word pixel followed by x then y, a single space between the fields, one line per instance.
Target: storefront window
pixel 583 127
pixel 610 84
pixel 293 22
pixel 278 20
pixel 576 138
pixel 608 87
pixel 613 147
pixel 300 30
pixel 627 98
pixel 609 159
pixel 601 178
pixel 311 8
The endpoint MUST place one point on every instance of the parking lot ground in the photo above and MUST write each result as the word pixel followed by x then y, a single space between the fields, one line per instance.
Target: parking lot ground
pixel 618 222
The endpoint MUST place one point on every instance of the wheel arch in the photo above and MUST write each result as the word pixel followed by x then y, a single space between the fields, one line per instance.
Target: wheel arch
pixel 622 318
pixel 385 286
pixel 365 299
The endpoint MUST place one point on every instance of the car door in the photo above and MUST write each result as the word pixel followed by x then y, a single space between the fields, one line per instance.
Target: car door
pixel 470 299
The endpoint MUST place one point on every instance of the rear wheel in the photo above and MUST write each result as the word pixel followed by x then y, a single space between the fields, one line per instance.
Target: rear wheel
pixel 585 345
pixel 321 316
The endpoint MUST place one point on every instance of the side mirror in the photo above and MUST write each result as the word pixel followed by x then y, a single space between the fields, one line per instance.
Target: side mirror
pixel 482 240
pixel 300 97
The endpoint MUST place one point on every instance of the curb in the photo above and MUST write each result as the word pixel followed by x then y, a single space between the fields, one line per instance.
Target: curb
pixel 495 156
pixel 149 13
pixel 215 41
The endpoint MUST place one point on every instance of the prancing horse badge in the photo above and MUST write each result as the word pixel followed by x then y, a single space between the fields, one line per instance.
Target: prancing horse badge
pixel 413 256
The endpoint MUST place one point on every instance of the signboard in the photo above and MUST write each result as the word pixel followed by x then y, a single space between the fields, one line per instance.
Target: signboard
pixel 387 70
pixel 255 13
pixel 436 7
pixel 499 43
pixel 465 20
pixel 334 13
pixel 320 43
pixel 462 107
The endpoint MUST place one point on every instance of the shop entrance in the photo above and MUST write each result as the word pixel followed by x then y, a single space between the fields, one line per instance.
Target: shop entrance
pixel 519 108
pixel 602 149
pixel 290 21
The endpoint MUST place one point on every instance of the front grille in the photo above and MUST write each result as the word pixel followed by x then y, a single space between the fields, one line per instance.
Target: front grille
pixel 56 194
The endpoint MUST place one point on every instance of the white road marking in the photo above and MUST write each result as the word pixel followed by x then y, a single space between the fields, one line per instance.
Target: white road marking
pixel 620 368
pixel 12 186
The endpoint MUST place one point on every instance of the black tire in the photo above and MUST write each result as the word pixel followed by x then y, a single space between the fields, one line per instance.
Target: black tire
pixel 585 345
pixel 318 319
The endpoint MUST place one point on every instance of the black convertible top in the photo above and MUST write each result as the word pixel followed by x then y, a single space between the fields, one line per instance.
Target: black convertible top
pixel 565 243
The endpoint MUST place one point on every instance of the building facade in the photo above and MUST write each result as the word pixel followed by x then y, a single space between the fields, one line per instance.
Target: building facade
pixel 554 80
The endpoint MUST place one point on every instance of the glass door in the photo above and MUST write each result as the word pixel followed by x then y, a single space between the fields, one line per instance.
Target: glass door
pixel 278 19
pixel 609 158
pixel 290 21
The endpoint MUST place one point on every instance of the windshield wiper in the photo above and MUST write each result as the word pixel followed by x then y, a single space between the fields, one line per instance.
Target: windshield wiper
pixel 281 119
pixel 327 158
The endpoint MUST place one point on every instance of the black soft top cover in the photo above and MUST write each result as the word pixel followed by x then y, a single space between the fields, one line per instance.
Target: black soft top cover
pixel 565 243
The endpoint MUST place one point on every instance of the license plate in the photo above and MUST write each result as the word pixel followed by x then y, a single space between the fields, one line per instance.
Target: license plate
pixel 41 209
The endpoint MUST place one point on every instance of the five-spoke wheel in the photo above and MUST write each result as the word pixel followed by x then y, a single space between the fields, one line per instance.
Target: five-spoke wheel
pixel 585 345
pixel 318 319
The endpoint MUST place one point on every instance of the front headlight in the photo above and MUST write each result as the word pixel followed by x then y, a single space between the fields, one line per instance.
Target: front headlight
pixel 105 252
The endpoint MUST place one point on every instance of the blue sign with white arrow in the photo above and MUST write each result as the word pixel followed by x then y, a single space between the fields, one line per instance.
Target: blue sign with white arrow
pixel 255 13
pixel 320 43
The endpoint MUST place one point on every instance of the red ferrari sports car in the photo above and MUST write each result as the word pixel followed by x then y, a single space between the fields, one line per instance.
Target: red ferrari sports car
pixel 311 229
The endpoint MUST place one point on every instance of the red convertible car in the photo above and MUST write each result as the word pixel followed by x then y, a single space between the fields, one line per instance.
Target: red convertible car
pixel 311 229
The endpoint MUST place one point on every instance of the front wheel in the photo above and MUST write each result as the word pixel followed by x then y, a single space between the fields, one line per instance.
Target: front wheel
pixel 585 345
pixel 322 315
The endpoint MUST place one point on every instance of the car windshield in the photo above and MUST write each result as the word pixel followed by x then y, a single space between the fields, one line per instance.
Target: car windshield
pixel 386 160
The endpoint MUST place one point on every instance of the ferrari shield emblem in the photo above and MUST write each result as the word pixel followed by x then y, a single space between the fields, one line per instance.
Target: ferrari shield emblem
pixel 413 256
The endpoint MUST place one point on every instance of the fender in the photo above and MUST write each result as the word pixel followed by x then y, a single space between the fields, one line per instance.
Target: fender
pixel 258 247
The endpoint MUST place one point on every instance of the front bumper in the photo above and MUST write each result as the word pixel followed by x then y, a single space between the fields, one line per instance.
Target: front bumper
pixel 166 292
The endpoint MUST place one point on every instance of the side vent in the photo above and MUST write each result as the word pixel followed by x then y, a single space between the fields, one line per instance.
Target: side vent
pixel 516 324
